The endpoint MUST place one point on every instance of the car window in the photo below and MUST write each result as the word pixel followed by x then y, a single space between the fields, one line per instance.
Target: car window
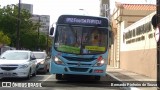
pixel 40 55
pixel 32 55
pixel 15 55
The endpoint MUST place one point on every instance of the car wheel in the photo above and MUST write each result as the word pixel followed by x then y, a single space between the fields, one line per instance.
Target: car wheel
pixel 35 73
pixel 45 70
pixel 29 75
pixel 59 76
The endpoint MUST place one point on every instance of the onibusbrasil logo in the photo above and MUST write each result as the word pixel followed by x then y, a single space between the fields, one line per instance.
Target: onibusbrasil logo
pixel 21 84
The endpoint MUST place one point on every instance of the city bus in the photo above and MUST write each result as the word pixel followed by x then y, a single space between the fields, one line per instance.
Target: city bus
pixel 80 46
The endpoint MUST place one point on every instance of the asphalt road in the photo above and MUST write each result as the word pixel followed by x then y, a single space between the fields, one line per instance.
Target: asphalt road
pixel 48 82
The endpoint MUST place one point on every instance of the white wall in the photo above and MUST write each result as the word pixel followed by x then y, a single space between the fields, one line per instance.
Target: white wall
pixel 140 45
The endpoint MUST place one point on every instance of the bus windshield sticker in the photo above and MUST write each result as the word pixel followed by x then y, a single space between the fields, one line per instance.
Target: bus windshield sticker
pixel 95 48
pixel 69 49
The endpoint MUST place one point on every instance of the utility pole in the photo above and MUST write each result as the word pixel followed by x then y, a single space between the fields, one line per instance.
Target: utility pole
pixel 106 10
pixel 38 33
pixel 47 49
pixel 18 25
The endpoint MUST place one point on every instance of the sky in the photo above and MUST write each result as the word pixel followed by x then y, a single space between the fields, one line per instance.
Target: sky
pixel 55 8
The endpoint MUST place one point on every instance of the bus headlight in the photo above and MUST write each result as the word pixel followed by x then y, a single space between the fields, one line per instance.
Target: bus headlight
pixel 57 60
pixel 100 61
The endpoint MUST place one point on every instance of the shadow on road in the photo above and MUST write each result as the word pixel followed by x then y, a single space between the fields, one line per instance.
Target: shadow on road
pixel 80 81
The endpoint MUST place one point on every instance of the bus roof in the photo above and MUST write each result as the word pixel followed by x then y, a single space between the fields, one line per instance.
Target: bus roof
pixel 83 20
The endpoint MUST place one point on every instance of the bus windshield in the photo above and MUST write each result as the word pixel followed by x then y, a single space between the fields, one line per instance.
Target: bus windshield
pixel 81 39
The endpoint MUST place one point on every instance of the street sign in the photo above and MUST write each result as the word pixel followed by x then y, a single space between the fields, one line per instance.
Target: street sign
pixel 157 34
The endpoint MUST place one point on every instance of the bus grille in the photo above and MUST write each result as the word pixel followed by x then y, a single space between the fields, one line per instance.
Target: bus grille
pixel 81 64
pixel 78 69
pixel 79 59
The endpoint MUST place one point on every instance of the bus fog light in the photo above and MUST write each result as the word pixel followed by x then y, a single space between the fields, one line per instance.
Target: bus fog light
pixel 98 71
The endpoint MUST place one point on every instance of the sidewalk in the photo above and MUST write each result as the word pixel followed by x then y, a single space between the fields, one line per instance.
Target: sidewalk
pixel 124 75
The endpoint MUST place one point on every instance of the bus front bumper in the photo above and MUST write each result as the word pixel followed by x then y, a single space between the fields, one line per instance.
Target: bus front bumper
pixel 78 70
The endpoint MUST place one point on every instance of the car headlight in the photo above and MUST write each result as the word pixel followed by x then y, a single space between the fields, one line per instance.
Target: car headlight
pixel 42 62
pixel 23 66
pixel 100 61
pixel 57 60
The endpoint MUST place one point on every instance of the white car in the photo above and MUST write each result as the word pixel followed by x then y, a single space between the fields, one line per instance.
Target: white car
pixel 43 61
pixel 17 63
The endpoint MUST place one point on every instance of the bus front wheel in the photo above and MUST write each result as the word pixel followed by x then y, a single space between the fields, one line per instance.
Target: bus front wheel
pixel 59 76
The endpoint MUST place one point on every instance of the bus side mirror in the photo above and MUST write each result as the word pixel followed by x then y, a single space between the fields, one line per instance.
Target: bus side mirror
pixel 51 31
pixel 154 21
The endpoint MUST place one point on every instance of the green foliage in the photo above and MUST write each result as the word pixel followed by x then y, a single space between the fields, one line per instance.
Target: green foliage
pixel 4 39
pixel 28 29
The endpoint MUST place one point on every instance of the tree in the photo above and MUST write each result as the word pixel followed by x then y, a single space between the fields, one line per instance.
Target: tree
pixel 8 21
pixel 28 29
pixel 4 39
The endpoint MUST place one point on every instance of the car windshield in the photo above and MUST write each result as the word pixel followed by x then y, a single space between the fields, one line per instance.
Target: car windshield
pixel 39 55
pixel 15 55
pixel 81 40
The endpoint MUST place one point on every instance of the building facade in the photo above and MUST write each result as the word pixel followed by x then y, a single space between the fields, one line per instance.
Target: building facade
pixel 44 21
pixel 134 47
pixel 28 7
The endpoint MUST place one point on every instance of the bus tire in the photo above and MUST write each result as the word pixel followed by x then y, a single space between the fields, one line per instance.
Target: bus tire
pixel 59 76
pixel 97 78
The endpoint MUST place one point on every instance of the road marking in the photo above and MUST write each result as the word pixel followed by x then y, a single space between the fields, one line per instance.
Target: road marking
pixel 46 78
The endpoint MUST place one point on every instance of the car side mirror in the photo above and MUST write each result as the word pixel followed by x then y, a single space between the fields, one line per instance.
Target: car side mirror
pixel 33 58
pixel 48 57
pixel 51 31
